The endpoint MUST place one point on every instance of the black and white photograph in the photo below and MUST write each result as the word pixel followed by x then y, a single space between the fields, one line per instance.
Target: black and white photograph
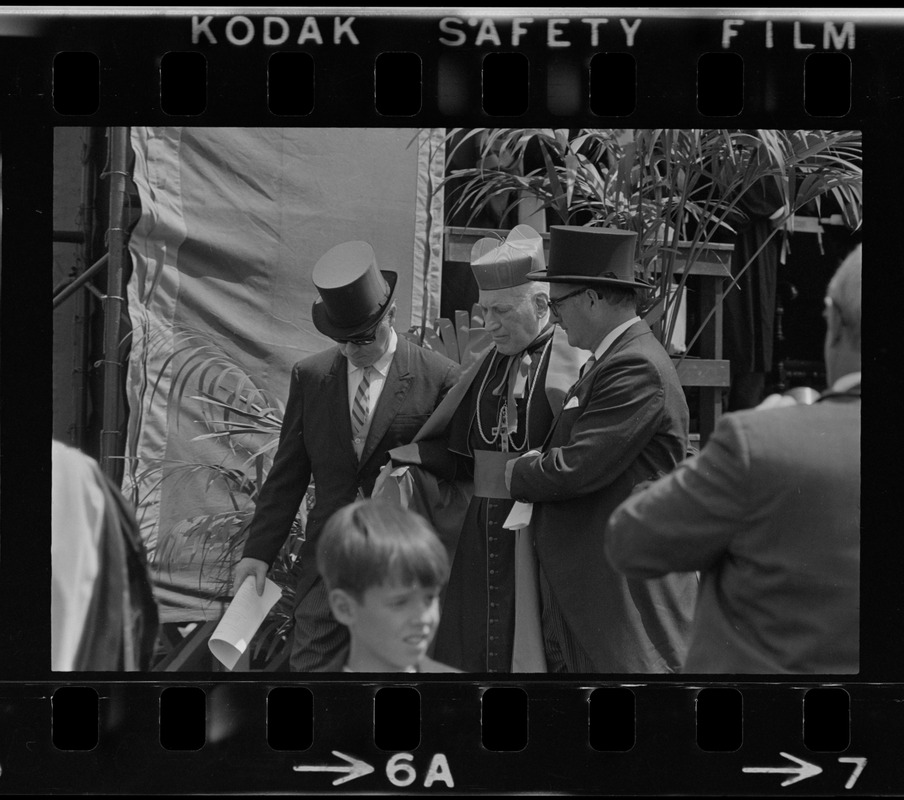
pixel 610 375
pixel 449 400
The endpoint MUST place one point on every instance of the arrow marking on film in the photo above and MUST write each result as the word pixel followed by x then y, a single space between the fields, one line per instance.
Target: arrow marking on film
pixel 802 771
pixel 355 768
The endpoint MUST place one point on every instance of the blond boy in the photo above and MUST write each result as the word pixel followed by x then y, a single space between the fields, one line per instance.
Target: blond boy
pixel 383 567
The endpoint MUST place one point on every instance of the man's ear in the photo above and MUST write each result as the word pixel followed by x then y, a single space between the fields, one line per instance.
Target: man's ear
pixel 343 606
pixel 834 323
pixel 541 303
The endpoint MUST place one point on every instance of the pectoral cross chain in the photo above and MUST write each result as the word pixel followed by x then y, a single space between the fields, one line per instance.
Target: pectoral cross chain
pixel 502 431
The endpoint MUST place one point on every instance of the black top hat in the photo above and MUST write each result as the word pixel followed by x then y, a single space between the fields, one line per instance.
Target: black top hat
pixel 592 256
pixel 353 295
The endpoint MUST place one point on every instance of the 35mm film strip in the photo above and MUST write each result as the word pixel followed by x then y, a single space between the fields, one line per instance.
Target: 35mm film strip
pixel 569 738
pixel 349 70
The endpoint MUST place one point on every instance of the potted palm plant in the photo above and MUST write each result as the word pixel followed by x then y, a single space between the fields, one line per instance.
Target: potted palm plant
pixel 678 189
pixel 685 192
pixel 245 419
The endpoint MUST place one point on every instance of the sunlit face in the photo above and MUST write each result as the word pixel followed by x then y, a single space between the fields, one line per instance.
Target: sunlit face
pixel 832 315
pixel 513 317
pixel 391 627
pixel 365 355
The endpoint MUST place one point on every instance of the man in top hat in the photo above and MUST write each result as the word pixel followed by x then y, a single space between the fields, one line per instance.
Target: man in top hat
pixel 502 406
pixel 625 421
pixel 770 513
pixel 347 407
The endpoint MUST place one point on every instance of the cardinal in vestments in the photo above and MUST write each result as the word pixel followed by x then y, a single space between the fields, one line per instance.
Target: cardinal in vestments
pixel 503 405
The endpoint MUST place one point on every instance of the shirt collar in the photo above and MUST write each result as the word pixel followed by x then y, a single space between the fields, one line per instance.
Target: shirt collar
pixel 846 382
pixel 381 365
pixel 612 336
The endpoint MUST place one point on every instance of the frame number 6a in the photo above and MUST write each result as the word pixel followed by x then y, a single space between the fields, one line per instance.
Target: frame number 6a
pixel 402 774
pixel 399 770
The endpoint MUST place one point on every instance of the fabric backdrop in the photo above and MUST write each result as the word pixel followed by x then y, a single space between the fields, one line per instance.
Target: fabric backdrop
pixel 233 221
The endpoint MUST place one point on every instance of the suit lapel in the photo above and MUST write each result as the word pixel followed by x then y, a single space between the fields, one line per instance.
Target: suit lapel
pixel 398 382
pixel 628 335
pixel 334 388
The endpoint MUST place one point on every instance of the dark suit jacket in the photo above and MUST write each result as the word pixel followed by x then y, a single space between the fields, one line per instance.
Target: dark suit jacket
pixel 629 424
pixel 316 441
pixel 770 512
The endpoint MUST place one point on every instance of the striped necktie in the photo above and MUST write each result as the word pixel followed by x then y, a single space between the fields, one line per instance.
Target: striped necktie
pixel 360 408
pixel 588 365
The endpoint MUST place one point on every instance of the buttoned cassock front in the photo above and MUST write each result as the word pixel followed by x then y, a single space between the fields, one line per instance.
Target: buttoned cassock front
pixel 490 621
pixel 629 425
pixel 477 629
pixel 316 442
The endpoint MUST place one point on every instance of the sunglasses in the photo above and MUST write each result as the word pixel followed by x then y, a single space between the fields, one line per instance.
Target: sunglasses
pixel 554 304
pixel 364 340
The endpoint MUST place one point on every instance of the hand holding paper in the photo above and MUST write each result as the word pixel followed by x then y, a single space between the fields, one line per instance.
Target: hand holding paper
pixel 244 616
pixel 387 486
pixel 254 567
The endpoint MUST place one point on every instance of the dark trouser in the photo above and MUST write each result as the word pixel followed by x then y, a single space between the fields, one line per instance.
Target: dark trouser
pixel 563 651
pixel 318 638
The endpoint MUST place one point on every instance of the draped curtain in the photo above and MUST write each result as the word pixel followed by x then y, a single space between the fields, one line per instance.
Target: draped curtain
pixel 232 222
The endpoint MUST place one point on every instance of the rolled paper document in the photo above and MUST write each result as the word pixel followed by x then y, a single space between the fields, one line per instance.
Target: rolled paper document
pixel 243 617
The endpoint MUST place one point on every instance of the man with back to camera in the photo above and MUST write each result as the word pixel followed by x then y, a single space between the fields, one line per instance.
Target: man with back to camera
pixel 770 512
pixel 625 421
pixel 347 407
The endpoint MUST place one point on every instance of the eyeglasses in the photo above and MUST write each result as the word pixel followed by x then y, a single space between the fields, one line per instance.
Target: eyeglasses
pixel 554 304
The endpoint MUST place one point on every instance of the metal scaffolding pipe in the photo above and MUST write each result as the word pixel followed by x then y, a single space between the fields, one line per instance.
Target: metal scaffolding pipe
pixel 81 331
pixel 114 302
pixel 67 289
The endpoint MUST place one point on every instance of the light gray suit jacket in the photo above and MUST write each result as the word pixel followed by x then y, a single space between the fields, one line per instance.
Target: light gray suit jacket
pixel 770 512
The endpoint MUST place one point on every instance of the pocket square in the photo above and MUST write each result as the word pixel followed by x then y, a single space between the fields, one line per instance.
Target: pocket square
pixel 573 403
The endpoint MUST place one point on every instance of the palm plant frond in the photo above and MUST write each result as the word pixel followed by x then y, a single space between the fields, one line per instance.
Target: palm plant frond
pixel 237 410
pixel 668 185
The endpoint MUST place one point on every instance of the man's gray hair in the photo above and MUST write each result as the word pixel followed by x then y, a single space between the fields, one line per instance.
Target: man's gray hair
pixel 620 296
pixel 536 287
pixel 845 290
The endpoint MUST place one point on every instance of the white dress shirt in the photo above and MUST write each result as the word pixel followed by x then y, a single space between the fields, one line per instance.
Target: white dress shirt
pixel 76 522
pixel 379 373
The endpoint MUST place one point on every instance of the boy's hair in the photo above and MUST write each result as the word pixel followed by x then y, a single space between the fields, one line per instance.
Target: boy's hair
pixel 370 542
